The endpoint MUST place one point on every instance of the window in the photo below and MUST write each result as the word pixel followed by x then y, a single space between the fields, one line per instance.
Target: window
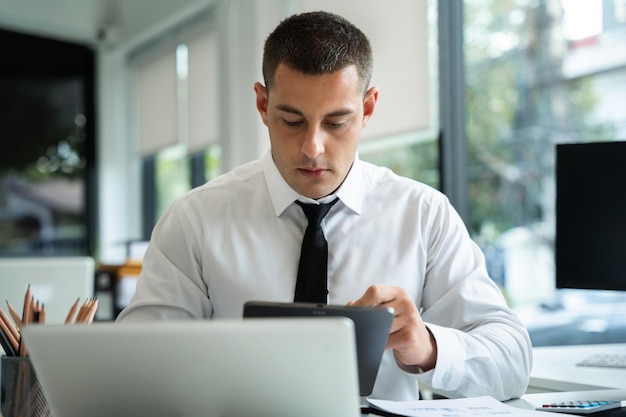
pixel 47 182
pixel 539 73
pixel 176 94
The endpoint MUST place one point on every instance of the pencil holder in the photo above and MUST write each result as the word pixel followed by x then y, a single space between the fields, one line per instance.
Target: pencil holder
pixel 21 393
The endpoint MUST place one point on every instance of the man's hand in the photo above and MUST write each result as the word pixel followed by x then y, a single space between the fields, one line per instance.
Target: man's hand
pixel 412 343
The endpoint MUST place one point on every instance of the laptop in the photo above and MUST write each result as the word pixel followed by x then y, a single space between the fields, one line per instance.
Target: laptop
pixel 217 368
pixel 371 326
pixel 57 282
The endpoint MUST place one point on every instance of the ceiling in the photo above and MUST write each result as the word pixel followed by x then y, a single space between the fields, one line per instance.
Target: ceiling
pixel 114 22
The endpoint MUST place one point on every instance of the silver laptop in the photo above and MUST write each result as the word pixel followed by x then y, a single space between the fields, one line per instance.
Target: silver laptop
pixel 220 368
pixel 57 282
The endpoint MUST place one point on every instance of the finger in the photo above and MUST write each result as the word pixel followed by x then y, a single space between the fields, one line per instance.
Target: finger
pixel 377 295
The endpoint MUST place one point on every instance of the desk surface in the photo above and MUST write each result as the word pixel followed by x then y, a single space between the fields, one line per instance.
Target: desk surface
pixel 554 369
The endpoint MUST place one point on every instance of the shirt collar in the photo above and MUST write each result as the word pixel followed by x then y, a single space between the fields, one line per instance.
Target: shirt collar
pixel 282 195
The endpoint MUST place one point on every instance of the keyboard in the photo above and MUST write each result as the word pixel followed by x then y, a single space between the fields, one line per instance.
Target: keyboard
pixel 605 360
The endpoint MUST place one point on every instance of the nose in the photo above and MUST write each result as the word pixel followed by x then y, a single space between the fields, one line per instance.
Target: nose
pixel 313 143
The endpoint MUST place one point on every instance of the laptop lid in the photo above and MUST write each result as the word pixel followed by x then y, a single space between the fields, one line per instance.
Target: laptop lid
pixel 57 282
pixel 371 325
pixel 218 368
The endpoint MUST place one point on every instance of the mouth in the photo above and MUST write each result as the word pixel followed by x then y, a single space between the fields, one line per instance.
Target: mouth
pixel 313 172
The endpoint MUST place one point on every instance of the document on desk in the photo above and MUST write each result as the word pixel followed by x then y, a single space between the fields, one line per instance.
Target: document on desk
pixel 462 407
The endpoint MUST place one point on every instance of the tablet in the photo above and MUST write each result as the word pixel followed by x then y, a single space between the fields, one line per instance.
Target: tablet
pixel 371 326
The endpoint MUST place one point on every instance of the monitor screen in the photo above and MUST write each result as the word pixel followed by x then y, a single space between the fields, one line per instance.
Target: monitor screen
pixel 590 249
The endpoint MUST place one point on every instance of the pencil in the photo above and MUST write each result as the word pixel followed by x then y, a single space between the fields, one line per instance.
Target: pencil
pixel 28 313
pixel 91 313
pixel 21 348
pixel 5 327
pixel 7 321
pixel 26 302
pixel 70 314
pixel 83 313
pixel 16 317
pixel 14 336
pixel 42 314
pixel 6 345
pixel 36 312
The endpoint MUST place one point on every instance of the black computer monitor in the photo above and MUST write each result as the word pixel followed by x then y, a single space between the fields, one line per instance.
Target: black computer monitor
pixel 590 249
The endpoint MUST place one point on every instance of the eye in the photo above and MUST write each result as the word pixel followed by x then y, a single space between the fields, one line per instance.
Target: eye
pixel 292 123
pixel 337 125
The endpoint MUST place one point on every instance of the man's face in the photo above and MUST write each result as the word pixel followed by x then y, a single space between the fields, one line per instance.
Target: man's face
pixel 315 123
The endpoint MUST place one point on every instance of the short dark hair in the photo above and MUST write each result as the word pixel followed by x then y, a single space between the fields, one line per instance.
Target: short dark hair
pixel 317 43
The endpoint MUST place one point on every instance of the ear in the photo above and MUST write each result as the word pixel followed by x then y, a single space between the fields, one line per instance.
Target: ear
pixel 261 101
pixel 369 103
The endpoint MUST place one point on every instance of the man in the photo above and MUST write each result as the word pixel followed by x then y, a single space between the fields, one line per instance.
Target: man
pixel 392 241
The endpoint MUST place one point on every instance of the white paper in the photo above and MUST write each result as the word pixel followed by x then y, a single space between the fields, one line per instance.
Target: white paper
pixel 462 407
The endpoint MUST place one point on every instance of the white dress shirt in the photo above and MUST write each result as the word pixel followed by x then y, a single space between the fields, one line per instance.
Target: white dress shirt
pixel 237 238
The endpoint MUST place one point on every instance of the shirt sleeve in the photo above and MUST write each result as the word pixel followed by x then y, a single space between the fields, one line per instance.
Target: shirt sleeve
pixel 483 348
pixel 488 361
pixel 170 286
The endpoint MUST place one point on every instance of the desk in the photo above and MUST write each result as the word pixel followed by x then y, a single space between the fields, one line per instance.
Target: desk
pixel 554 369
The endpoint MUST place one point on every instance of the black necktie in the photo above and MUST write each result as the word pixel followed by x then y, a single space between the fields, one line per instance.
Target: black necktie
pixel 312 283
